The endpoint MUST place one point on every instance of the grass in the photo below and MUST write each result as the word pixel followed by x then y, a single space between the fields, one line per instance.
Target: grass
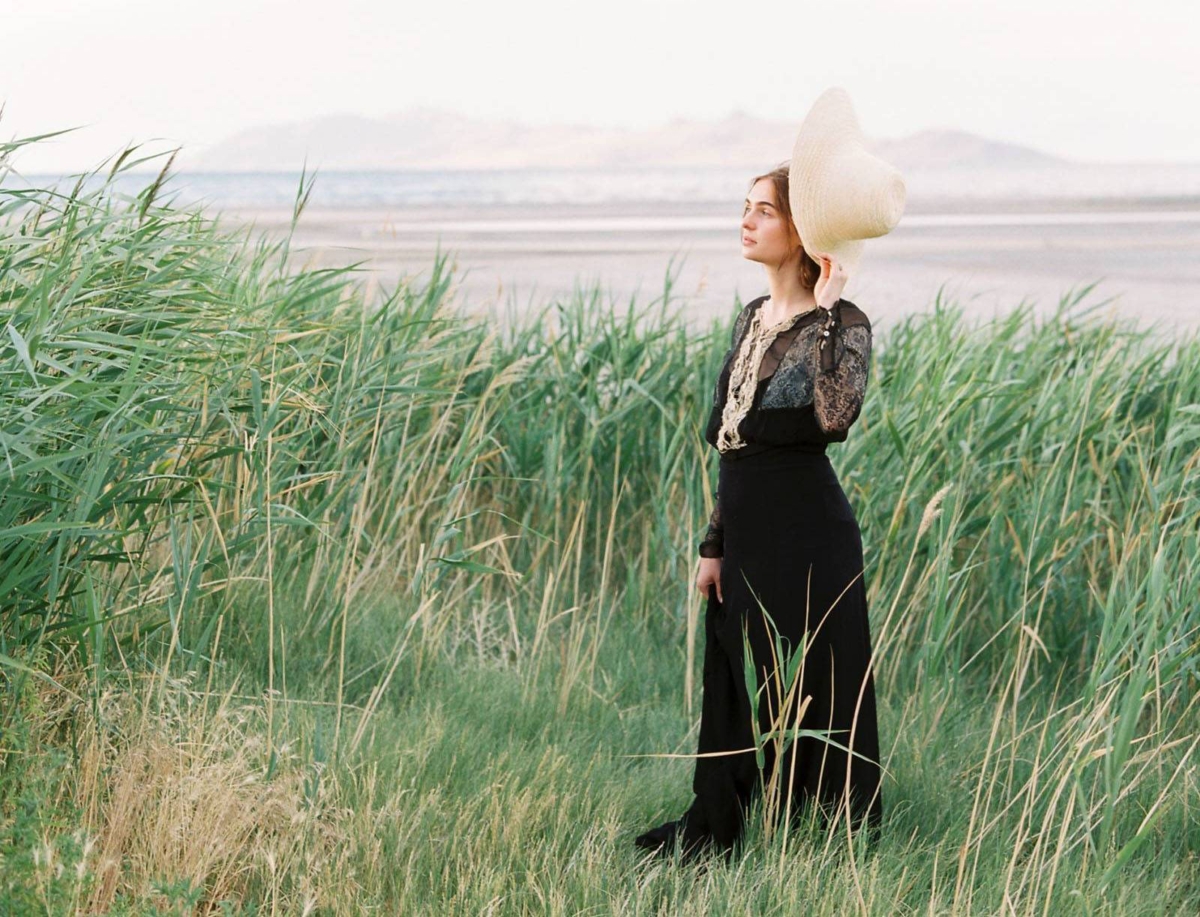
pixel 315 602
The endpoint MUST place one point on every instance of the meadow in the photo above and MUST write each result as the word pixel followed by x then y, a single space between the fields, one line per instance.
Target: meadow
pixel 320 602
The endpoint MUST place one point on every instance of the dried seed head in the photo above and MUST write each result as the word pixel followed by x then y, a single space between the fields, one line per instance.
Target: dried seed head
pixel 932 510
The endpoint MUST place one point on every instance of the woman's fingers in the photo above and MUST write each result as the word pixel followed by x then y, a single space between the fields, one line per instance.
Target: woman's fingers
pixel 708 578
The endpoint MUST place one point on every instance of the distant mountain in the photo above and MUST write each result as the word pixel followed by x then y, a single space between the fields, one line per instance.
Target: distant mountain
pixel 425 138
pixel 958 149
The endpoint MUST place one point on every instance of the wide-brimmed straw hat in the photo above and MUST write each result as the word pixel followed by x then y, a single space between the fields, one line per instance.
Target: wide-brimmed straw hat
pixel 839 193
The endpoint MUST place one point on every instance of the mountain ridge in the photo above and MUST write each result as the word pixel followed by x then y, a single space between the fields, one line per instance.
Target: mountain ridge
pixel 429 138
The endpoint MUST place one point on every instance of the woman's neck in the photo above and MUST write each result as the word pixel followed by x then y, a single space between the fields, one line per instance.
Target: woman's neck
pixel 773 313
pixel 787 297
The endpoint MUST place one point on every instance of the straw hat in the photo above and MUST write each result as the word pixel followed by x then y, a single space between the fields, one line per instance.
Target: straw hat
pixel 839 193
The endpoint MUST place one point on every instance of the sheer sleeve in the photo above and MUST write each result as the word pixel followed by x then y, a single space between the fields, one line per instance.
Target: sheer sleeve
pixel 713 544
pixel 741 320
pixel 844 356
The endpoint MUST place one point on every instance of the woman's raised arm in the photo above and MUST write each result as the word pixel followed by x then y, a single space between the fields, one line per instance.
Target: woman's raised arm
pixel 844 357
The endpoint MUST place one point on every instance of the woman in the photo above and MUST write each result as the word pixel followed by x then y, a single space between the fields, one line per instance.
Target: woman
pixel 784 540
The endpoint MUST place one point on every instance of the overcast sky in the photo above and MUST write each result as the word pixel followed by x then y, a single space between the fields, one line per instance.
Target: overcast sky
pixel 1094 80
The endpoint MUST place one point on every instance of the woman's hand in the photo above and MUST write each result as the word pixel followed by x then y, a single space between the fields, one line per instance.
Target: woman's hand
pixel 830 284
pixel 709 575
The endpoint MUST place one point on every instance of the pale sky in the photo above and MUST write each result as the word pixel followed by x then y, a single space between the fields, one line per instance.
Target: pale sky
pixel 1094 80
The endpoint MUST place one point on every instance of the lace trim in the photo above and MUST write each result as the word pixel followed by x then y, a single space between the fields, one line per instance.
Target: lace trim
pixel 743 377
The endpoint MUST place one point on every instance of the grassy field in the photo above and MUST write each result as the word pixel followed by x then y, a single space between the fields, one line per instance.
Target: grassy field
pixel 315 602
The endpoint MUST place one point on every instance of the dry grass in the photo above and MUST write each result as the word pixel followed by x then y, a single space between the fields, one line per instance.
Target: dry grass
pixel 178 787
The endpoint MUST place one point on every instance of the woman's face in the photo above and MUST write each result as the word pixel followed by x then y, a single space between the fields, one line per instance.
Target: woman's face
pixel 767 236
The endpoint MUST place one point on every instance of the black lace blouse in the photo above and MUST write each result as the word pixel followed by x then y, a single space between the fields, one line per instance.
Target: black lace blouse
pixel 811 384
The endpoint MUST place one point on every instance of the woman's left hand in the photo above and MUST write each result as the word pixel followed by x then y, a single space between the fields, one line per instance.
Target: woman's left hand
pixel 831 282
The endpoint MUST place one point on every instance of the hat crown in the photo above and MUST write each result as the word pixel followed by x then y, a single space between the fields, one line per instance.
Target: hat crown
pixel 840 193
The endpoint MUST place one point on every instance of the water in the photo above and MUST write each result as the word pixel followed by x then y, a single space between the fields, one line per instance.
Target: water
pixel 928 189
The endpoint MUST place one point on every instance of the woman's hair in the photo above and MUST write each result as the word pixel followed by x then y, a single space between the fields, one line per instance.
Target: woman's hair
pixel 810 269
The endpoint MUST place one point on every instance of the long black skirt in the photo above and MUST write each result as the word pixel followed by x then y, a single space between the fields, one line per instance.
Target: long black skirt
pixel 792 549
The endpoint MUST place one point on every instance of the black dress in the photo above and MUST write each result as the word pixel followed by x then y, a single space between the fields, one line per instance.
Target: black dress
pixel 791 547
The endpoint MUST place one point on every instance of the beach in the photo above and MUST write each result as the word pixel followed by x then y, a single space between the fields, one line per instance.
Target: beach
pixel 984 255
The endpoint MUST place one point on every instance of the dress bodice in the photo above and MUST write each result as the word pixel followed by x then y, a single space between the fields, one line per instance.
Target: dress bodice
pixel 810 385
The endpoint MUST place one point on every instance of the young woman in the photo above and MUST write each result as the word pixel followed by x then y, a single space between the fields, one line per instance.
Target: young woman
pixel 783 539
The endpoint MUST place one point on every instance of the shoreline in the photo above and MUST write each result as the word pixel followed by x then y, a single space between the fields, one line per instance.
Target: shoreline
pixel 924 207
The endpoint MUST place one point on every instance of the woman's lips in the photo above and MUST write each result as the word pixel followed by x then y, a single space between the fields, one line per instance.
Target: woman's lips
pixel 746 241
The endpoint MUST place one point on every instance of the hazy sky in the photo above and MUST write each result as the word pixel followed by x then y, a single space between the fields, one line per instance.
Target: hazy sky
pixel 1095 80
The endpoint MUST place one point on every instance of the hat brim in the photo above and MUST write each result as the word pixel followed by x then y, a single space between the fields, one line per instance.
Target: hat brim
pixel 839 194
